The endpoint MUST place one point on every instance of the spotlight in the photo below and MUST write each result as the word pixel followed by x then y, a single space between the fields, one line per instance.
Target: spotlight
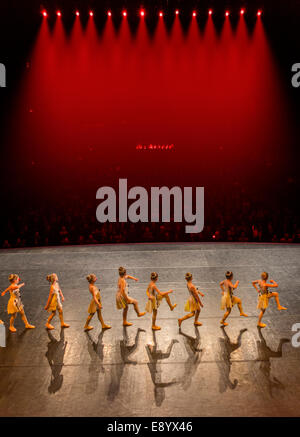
pixel 77 13
pixel 109 13
pixel 210 12
pixel 124 14
pixel 242 11
pixel 227 14
pixel 177 12
pixel 161 14
pixel 58 13
pixel 142 13
pixel 91 13
pixel 44 13
pixel 194 14
pixel 259 12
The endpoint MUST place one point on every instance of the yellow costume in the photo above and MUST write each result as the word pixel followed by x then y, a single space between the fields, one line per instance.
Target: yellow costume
pixel 153 304
pixel 191 304
pixel 14 304
pixel 263 298
pixel 93 307
pixel 55 303
pixel 228 300
pixel 120 299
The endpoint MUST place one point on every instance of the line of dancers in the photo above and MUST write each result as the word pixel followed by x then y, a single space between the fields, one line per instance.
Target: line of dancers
pixel 155 297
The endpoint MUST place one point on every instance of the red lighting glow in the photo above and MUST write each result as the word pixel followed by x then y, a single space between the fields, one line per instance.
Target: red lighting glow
pixel 58 13
pixel 77 13
pixel 44 13
pixel 124 14
pixel 91 13
pixel 161 14
pixel 109 13
pixel 210 12
pixel 177 12
pixel 259 12
pixel 142 13
pixel 227 14
pixel 242 11
pixel 194 14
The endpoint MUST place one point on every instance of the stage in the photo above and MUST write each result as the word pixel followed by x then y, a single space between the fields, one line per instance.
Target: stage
pixel 205 371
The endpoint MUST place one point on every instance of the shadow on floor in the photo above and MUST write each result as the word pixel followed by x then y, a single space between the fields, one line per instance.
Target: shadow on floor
pixel 55 356
pixel 265 353
pixel 117 370
pixel 227 347
pixel 156 355
pixel 192 346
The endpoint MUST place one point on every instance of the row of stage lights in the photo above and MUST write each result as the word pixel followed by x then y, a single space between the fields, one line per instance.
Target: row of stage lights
pixel 142 13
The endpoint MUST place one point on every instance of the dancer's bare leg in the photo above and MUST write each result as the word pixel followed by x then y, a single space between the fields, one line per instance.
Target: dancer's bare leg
pixel 225 317
pixel 275 294
pixel 196 323
pixel 104 326
pixel 136 308
pixel 260 324
pixel 187 316
pixel 125 311
pixel 239 304
pixel 167 297
pixel 24 318
pixel 48 324
pixel 11 322
pixel 61 318
pixel 87 326
pixel 154 327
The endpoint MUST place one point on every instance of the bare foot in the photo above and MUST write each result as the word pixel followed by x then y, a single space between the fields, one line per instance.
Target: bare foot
pixel 179 322
pixel 156 328
pixel 261 325
pixel 106 327
pixel 198 324
pixel 28 326
pixel 48 326
pixel 12 329
pixel 65 325
pixel 141 314
pixel 223 323
pixel 244 315
pixel 281 308
pixel 127 324
pixel 88 328
pixel 174 306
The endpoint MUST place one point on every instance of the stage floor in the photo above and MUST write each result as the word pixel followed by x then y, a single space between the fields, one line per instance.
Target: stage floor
pixel 207 371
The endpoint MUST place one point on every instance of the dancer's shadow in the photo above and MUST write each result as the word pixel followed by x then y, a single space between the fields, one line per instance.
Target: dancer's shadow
pixel 155 355
pixel 55 356
pixel 227 348
pixel 192 346
pixel 96 351
pixel 117 369
pixel 264 357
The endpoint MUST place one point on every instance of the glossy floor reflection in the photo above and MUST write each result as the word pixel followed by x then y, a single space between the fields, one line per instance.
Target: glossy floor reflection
pixel 239 370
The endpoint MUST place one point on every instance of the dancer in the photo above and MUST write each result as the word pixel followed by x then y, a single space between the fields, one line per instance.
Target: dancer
pixel 54 302
pixel 15 305
pixel 228 299
pixel 95 304
pixel 193 304
pixel 122 298
pixel 155 297
pixel 265 295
